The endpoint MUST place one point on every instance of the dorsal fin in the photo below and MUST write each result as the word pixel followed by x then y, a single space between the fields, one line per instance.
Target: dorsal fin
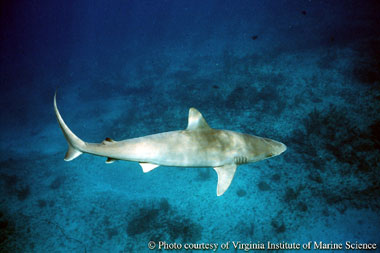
pixel 108 141
pixel 196 120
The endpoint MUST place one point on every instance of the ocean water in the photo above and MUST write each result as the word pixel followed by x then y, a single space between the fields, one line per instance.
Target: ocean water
pixel 306 73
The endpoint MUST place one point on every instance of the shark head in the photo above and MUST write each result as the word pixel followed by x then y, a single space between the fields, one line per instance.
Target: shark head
pixel 276 147
pixel 258 148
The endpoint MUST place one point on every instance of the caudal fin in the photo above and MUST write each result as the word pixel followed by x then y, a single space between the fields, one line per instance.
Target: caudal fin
pixel 76 145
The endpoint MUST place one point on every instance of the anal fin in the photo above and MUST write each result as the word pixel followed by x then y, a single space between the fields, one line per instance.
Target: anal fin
pixel 146 167
pixel 225 175
pixel 110 160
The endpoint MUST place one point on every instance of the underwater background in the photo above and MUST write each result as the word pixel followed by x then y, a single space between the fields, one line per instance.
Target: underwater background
pixel 306 73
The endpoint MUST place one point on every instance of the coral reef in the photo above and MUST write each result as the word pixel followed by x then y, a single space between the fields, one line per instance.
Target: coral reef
pixel 342 153
pixel 57 182
pixel 159 221
pixel 241 193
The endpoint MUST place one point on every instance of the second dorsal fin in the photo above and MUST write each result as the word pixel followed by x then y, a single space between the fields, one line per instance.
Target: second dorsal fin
pixel 196 120
pixel 107 141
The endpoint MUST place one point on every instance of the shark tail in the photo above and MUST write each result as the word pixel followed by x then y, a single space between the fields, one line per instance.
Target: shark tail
pixel 76 145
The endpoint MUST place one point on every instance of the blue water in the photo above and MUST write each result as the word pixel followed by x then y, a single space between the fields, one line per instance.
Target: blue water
pixel 306 73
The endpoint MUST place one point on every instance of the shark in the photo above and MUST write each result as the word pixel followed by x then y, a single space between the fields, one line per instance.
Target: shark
pixel 197 146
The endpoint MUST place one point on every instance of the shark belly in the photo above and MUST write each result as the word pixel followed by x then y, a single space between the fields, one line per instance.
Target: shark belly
pixel 176 148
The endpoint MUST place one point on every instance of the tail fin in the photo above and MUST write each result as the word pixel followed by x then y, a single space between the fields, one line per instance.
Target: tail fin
pixel 76 145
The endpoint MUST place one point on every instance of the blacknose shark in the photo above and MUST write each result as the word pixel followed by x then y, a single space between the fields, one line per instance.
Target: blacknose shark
pixel 197 146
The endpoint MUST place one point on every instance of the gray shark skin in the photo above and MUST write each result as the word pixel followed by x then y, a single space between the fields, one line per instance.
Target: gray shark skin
pixel 197 146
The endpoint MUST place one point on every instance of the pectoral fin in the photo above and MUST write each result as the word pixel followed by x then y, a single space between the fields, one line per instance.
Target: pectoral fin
pixel 146 167
pixel 225 175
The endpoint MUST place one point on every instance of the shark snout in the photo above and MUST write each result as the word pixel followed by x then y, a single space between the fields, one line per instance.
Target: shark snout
pixel 279 148
pixel 273 148
pixel 276 147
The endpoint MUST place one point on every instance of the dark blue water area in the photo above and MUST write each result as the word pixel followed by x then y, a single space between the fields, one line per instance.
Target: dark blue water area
pixel 305 73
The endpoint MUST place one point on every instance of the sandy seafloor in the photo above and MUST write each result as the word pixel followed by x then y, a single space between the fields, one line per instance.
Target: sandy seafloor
pixel 313 85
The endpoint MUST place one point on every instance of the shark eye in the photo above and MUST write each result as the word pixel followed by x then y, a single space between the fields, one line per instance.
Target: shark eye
pixel 269 155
